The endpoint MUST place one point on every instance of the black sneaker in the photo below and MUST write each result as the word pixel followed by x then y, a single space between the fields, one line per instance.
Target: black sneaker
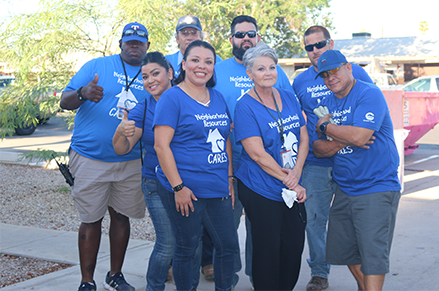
pixel 86 286
pixel 117 283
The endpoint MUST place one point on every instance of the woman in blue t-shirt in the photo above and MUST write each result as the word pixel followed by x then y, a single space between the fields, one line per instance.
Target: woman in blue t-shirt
pixel 191 129
pixel 157 75
pixel 272 130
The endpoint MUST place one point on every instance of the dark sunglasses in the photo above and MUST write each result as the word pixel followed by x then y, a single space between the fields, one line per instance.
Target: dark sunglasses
pixel 130 32
pixel 325 74
pixel 318 45
pixel 242 34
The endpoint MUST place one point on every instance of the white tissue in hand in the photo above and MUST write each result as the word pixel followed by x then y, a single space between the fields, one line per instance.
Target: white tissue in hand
pixel 289 197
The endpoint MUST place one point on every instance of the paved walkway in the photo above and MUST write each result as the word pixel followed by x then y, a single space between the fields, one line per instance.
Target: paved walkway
pixel 414 261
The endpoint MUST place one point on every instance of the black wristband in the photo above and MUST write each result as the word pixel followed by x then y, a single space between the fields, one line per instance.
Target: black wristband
pixel 233 178
pixel 178 187
pixel 79 94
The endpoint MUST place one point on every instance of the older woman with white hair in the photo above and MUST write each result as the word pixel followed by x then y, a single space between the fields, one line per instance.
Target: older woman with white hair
pixel 272 130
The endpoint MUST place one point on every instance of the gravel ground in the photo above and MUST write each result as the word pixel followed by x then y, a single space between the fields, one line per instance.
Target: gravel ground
pixel 37 197
pixel 16 269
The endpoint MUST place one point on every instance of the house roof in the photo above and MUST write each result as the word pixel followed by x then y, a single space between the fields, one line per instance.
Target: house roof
pixel 388 47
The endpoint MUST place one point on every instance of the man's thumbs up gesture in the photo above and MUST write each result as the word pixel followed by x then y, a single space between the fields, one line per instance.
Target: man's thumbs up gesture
pixel 92 91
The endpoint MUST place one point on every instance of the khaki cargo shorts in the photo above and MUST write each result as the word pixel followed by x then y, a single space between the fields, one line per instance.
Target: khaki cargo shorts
pixel 102 184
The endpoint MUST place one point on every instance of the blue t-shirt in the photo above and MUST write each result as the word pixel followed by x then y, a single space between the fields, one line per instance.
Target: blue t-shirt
pixel 254 120
pixel 310 92
pixel 362 171
pixel 176 58
pixel 199 142
pixel 150 160
pixel 95 123
pixel 233 82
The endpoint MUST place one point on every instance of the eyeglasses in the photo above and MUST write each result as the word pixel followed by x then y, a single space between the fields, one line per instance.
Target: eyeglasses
pixel 318 45
pixel 130 32
pixel 185 32
pixel 325 74
pixel 242 34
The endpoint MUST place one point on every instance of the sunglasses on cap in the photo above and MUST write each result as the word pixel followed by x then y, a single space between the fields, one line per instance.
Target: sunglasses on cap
pixel 242 34
pixel 325 74
pixel 318 45
pixel 130 32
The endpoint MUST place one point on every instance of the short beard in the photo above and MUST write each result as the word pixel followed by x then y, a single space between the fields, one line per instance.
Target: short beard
pixel 239 52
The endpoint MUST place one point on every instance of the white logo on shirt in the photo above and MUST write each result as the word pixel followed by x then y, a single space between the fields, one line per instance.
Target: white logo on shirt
pixel 127 101
pixel 370 116
pixel 318 91
pixel 217 141
pixel 291 144
pixel 218 147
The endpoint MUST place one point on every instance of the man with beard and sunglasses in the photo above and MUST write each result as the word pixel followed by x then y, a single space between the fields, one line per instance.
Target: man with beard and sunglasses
pixel 233 82
pixel 99 91
pixel 317 172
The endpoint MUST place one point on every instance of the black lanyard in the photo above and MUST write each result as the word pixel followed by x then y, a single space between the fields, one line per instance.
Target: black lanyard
pixel 126 76
pixel 278 121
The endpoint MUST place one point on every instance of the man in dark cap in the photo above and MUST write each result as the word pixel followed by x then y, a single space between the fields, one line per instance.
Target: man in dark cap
pixel 103 180
pixel 363 212
pixel 187 30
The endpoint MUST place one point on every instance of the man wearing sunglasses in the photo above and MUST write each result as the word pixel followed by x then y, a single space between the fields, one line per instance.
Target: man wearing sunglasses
pixel 103 180
pixel 187 30
pixel 363 213
pixel 317 172
pixel 233 82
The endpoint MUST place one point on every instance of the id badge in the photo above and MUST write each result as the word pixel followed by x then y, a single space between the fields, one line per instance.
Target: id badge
pixel 287 159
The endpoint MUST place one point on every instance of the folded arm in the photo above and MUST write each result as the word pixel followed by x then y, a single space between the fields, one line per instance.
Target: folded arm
pixel 343 135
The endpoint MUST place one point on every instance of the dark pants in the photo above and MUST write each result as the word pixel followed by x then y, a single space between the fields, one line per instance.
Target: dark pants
pixel 216 216
pixel 278 235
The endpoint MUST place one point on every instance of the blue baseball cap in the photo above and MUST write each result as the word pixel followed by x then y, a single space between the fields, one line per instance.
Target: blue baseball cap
pixel 329 60
pixel 135 31
pixel 188 21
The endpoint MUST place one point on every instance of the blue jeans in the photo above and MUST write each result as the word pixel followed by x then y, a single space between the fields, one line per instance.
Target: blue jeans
pixel 320 189
pixel 216 216
pixel 206 259
pixel 161 256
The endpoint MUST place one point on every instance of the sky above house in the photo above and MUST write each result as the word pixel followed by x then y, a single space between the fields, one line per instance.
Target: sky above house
pixel 382 18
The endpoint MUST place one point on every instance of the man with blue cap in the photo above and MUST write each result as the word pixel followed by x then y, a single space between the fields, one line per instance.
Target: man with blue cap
pixel 187 30
pixel 317 173
pixel 355 129
pixel 100 90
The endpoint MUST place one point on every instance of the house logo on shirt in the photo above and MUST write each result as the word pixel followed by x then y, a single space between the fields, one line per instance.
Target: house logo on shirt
pixel 217 141
pixel 291 144
pixel 218 144
pixel 127 101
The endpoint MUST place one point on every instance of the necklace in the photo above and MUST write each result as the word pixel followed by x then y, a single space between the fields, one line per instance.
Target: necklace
pixel 344 103
pixel 126 75
pixel 204 101
pixel 279 121
pixel 342 109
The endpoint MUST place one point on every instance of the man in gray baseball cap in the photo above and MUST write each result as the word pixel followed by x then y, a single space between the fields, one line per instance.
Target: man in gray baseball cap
pixel 187 30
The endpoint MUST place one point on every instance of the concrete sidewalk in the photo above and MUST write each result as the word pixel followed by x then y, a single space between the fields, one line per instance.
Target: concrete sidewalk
pixel 414 261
